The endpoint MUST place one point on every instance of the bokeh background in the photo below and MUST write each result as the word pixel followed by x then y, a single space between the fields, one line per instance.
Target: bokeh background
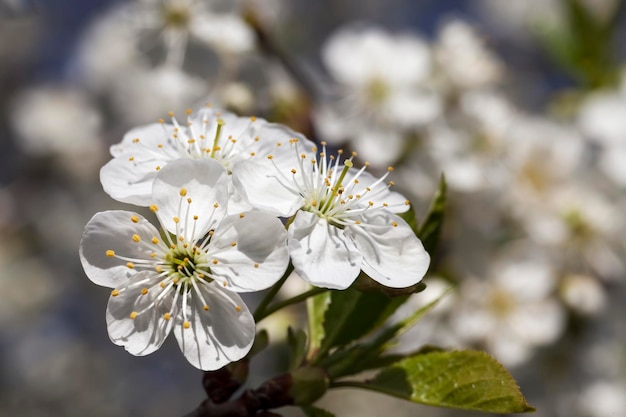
pixel 522 104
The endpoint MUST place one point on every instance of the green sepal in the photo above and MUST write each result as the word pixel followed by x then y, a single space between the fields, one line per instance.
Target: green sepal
pixel 469 380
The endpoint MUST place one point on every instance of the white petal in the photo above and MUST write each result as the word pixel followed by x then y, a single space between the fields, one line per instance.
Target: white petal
pixel 206 184
pixel 146 332
pixel 217 336
pixel 144 138
pixel 393 256
pixel 322 254
pixel 113 230
pixel 267 190
pixel 128 178
pixel 261 240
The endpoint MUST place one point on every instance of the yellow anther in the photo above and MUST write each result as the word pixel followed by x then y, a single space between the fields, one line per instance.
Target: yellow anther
pixel 190 141
pixel 279 144
pixel 130 265
pixel 161 121
pixel 389 169
pixel 144 291
pixel 115 293
pixel 354 154
pixel 170 114
pixel 175 280
pixel 233 243
pixel 357 222
pixel 394 224
pixel 154 208
pixel 167 316
pixel 132 158
pixel 136 140
pixel 371 203
pixel 160 146
pixel 256 265
pixel 293 171
pixel 153 255
pixel 155 240
pixel 207 104
pixel 391 183
pixel 314 203
pixel 181 238
pixel 385 205
pixel 157 168
pixel 110 253
pixel 211 232
pixel 183 192
pixel 340 152
pixel 407 202
pixel 225 283
pixel 216 205
pixel 303 156
pixel 133 315
pixel 367 164
pixel 158 268
pixel 238 308
pixel 270 157
pixel 241 215
pixel 136 238
pixel 252 153
pixel 162 284
pixel 256 138
pixel 189 200
pixel 176 219
pixel 188 111
pixel 134 219
pixel 323 143
pixel 253 119
pixel 186 325
pixel 195 217
pixel 215 261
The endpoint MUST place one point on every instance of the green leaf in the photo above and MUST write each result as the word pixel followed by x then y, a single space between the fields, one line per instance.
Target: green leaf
pixel 369 356
pixel 310 411
pixel 296 339
pixel 469 380
pixel 430 228
pixel 352 314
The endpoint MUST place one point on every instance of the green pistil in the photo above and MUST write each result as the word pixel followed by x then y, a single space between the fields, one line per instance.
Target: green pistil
pixel 337 188
pixel 220 123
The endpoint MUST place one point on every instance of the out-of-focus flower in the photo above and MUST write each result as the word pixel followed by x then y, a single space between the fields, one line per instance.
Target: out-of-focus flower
pixel 463 57
pixel 512 311
pixel 108 50
pixel 383 91
pixel 144 94
pixel 208 133
pixel 179 20
pixel 54 120
pixel 185 279
pixel 603 118
pixel 604 398
pixel 583 294
pixel 343 218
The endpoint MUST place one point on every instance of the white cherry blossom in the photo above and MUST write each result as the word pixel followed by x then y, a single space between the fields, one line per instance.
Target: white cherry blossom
pixel 343 219
pixel 185 277
pixel 208 134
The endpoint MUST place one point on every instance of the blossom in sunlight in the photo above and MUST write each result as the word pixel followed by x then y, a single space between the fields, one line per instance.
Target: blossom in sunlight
pixel 185 278
pixel 343 220
pixel 208 133
pixel 382 91
pixel 179 20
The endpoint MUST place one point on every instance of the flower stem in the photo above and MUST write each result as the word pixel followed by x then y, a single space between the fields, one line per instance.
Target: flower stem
pixel 294 300
pixel 260 313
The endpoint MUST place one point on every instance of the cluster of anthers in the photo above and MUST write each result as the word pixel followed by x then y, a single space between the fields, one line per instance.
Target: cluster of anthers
pixel 182 264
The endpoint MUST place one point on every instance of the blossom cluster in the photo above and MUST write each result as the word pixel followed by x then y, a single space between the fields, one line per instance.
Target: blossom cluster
pixel 219 186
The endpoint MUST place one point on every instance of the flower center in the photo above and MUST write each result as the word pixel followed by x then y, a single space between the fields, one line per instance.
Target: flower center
pixel 376 91
pixel 176 16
